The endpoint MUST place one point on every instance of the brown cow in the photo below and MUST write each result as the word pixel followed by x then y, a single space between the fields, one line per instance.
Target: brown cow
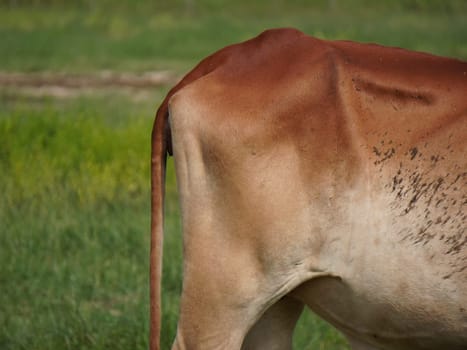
pixel 322 173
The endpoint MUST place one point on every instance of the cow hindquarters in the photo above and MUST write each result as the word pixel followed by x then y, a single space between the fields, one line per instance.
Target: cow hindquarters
pixel 225 290
pixel 235 264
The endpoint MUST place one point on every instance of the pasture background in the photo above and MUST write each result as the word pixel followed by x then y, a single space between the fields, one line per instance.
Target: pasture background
pixel 74 170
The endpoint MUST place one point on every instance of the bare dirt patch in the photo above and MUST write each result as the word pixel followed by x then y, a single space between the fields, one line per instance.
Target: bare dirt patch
pixel 61 85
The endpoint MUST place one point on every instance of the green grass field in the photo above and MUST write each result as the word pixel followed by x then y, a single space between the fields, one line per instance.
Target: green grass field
pixel 74 173
pixel 68 39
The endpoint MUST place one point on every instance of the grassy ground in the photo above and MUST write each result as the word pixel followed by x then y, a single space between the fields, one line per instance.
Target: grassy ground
pixel 74 225
pixel 74 173
pixel 72 40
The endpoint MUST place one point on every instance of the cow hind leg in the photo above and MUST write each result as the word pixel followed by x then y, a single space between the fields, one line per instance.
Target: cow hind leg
pixel 274 330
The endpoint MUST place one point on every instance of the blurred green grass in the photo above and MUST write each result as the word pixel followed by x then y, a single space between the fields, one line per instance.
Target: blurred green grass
pixel 74 173
pixel 74 216
pixel 70 39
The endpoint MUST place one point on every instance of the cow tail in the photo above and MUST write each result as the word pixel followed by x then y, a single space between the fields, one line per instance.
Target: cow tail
pixel 160 134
